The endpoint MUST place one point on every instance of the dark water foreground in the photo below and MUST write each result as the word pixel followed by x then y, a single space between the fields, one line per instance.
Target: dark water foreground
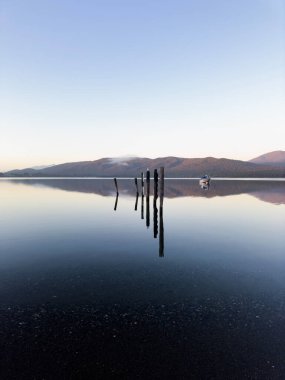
pixel 87 292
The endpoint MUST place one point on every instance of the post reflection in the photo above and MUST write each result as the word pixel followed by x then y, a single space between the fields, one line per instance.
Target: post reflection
pixel 142 206
pixel 158 224
pixel 116 202
pixel 155 218
pixel 147 212
pixel 137 200
pixel 161 233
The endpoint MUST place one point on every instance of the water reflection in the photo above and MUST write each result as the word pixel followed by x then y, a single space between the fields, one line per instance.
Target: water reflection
pixel 267 191
pixel 204 186
pixel 116 201
pixel 155 217
pixel 147 212
pixel 86 286
pixel 142 205
pixel 161 233
pixel 137 199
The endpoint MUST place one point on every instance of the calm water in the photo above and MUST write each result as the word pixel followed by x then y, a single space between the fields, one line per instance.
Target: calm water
pixel 91 288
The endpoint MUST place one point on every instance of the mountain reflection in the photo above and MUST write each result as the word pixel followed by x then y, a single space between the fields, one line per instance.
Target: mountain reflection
pixel 267 191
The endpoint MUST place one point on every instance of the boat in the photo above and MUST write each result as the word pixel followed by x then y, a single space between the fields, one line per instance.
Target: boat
pixel 204 182
pixel 205 179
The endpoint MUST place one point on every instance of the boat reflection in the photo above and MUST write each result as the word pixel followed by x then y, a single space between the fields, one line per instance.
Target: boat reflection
pixel 205 186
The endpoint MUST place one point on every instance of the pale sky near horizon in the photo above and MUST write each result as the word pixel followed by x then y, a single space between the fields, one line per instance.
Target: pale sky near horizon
pixel 81 80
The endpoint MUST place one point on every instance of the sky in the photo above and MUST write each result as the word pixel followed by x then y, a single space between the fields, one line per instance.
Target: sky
pixel 81 80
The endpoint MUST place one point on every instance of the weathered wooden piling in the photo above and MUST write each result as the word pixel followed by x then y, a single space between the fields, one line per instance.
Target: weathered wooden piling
pixel 147 182
pixel 161 185
pixel 155 184
pixel 136 183
pixel 155 209
pixel 116 184
pixel 142 182
pixel 147 198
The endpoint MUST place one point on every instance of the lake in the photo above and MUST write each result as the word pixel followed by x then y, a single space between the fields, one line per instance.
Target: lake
pixel 98 287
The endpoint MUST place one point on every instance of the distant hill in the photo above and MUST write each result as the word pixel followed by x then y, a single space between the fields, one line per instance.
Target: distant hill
pixel 174 167
pixel 29 172
pixel 272 158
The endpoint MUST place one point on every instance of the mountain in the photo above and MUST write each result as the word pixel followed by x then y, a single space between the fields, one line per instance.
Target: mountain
pixel 28 172
pixel 276 158
pixel 174 167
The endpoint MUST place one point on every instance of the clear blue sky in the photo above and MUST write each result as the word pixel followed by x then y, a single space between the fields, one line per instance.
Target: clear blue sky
pixel 87 79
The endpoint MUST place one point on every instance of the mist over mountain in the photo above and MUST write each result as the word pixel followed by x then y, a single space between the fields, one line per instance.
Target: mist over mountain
pixel 174 167
pixel 39 167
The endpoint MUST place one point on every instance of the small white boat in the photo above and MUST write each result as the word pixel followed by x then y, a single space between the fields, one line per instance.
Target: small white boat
pixel 205 180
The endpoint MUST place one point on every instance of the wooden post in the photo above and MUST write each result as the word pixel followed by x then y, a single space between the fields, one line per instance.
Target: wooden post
pixel 147 197
pixel 161 228
pixel 155 184
pixel 161 183
pixel 155 209
pixel 142 183
pixel 116 184
pixel 147 182
pixel 136 183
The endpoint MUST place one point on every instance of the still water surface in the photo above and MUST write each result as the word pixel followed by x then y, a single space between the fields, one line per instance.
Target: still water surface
pixel 97 287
